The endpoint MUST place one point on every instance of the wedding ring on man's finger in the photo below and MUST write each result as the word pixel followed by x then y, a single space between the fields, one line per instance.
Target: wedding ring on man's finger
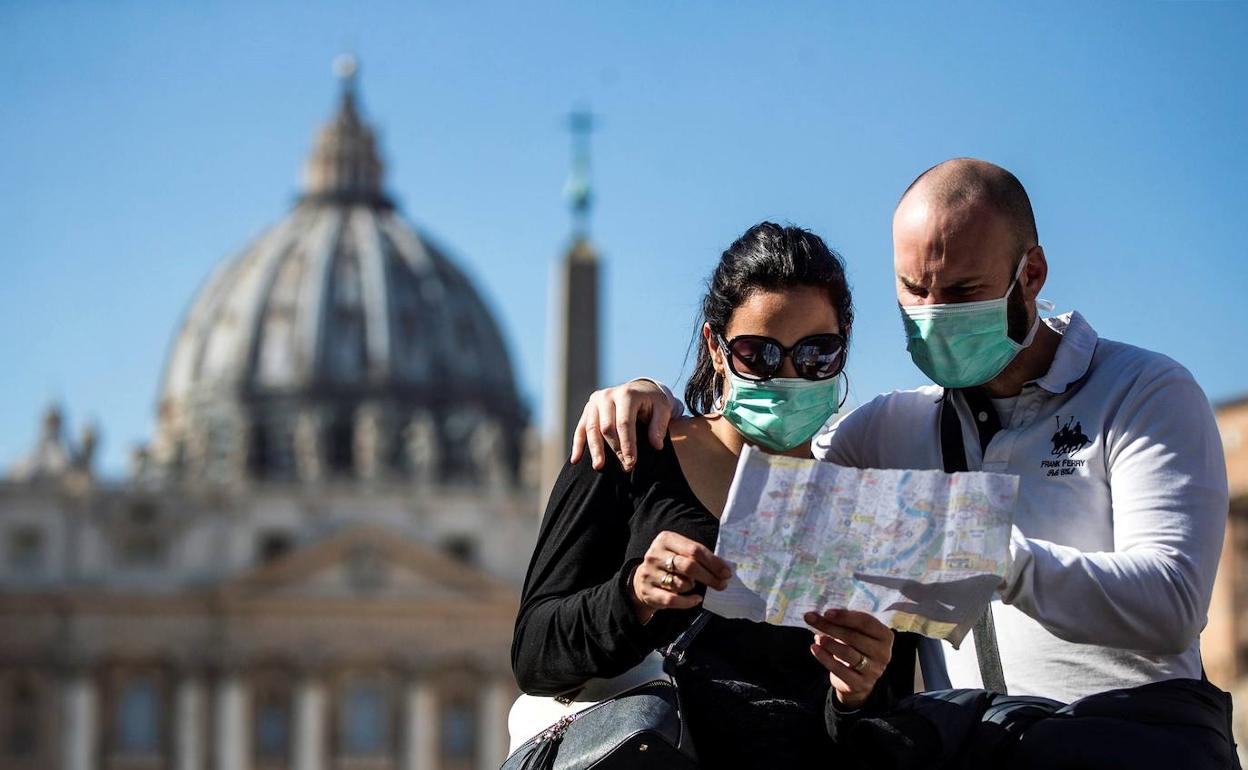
pixel 860 665
pixel 669 566
pixel 666 582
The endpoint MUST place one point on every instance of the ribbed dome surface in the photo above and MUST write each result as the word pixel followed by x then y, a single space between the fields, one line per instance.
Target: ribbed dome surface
pixel 338 296
pixel 339 324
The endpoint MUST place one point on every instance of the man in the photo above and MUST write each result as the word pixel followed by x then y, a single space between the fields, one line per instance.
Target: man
pixel 1122 497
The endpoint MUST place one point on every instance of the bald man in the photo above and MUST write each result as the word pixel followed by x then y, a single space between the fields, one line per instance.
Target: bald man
pixel 1122 498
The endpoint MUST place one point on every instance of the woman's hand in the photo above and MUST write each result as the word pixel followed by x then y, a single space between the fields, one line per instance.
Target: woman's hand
pixel 667 574
pixel 854 647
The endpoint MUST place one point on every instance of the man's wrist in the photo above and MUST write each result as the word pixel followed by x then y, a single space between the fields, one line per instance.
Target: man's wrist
pixel 677 408
pixel 653 382
pixel 1019 557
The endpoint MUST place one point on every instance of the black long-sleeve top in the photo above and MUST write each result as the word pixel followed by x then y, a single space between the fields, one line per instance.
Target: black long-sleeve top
pixel 753 692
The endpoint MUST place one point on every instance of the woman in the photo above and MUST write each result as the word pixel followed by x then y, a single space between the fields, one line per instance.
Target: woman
pixel 624 558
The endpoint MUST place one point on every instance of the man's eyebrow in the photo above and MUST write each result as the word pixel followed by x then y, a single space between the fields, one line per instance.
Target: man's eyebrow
pixel 964 284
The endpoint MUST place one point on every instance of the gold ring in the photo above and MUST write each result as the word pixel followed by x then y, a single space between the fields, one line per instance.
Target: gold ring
pixel 666 582
pixel 669 566
pixel 860 665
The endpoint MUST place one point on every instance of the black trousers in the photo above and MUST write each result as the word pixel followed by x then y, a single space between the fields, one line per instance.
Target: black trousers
pixel 1180 723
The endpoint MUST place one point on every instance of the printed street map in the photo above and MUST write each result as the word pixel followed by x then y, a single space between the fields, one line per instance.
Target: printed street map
pixel 921 550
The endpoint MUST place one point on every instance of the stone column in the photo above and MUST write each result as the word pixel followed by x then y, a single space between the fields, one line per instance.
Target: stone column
pixel 81 722
pixel 421 733
pixel 309 745
pixel 494 705
pixel 233 744
pixel 189 724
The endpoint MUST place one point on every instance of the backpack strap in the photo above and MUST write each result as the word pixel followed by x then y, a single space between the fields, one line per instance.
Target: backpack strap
pixel 674 653
pixel 666 660
pixel 953 455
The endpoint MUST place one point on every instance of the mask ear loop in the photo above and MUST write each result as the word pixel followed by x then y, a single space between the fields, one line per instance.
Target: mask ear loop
pixel 844 393
pixel 717 401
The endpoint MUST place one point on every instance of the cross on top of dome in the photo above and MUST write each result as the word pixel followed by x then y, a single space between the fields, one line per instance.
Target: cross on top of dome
pixel 344 166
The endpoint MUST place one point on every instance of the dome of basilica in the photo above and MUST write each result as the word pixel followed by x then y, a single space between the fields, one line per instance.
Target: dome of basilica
pixel 341 342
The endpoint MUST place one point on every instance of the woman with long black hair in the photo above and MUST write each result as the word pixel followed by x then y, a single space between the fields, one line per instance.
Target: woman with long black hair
pixel 624 557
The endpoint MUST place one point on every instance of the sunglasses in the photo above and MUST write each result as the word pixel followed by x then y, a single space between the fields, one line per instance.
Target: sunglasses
pixel 817 357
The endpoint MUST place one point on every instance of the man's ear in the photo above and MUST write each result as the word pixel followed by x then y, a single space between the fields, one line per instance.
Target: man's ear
pixel 1035 274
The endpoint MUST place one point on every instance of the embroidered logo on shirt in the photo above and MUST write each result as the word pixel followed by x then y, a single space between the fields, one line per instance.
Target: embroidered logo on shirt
pixel 1068 440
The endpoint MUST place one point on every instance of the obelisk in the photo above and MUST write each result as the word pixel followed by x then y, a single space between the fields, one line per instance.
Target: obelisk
pixel 575 356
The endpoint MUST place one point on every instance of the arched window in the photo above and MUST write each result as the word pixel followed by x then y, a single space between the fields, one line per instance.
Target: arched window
pixel 459 732
pixel 272 545
pixel 342 444
pixel 271 718
pixel 143 549
pixel 142 541
pixel 21 731
pixel 365 720
pixel 138 717
pixel 26 549
pixel 258 454
pixel 272 727
pixel 461 547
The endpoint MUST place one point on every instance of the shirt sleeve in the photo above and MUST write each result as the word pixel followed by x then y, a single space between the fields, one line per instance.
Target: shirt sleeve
pixel 1167 479
pixel 576 619
pixel 678 406
pixel 847 442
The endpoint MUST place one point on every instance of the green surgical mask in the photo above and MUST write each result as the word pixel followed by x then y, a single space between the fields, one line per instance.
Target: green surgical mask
pixel 959 345
pixel 782 412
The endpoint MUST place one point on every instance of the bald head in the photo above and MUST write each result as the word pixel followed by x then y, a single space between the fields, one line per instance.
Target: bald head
pixel 961 233
pixel 968 186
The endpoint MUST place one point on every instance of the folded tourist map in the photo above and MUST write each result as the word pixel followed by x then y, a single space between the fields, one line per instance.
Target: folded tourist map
pixel 922 551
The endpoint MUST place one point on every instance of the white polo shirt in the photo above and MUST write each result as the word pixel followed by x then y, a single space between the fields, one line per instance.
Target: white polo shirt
pixel 1119 525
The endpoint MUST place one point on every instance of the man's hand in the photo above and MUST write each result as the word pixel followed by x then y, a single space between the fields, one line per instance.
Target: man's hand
pixel 610 416
pixel 855 648
pixel 946 601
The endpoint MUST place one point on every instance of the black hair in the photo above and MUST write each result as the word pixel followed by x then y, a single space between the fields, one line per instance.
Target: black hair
pixel 767 257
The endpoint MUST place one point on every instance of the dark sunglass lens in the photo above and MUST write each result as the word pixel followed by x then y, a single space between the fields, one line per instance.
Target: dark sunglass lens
pixel 818 358
pixel 755 357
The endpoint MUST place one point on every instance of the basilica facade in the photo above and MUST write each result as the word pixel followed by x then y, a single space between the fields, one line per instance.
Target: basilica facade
pixel 314 564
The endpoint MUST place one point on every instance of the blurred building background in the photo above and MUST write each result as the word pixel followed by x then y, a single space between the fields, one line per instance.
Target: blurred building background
pixel 314 561
pixel 314 564
pixel 1224 642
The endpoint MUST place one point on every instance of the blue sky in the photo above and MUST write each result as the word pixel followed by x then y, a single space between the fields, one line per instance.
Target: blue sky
pixel 143 143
